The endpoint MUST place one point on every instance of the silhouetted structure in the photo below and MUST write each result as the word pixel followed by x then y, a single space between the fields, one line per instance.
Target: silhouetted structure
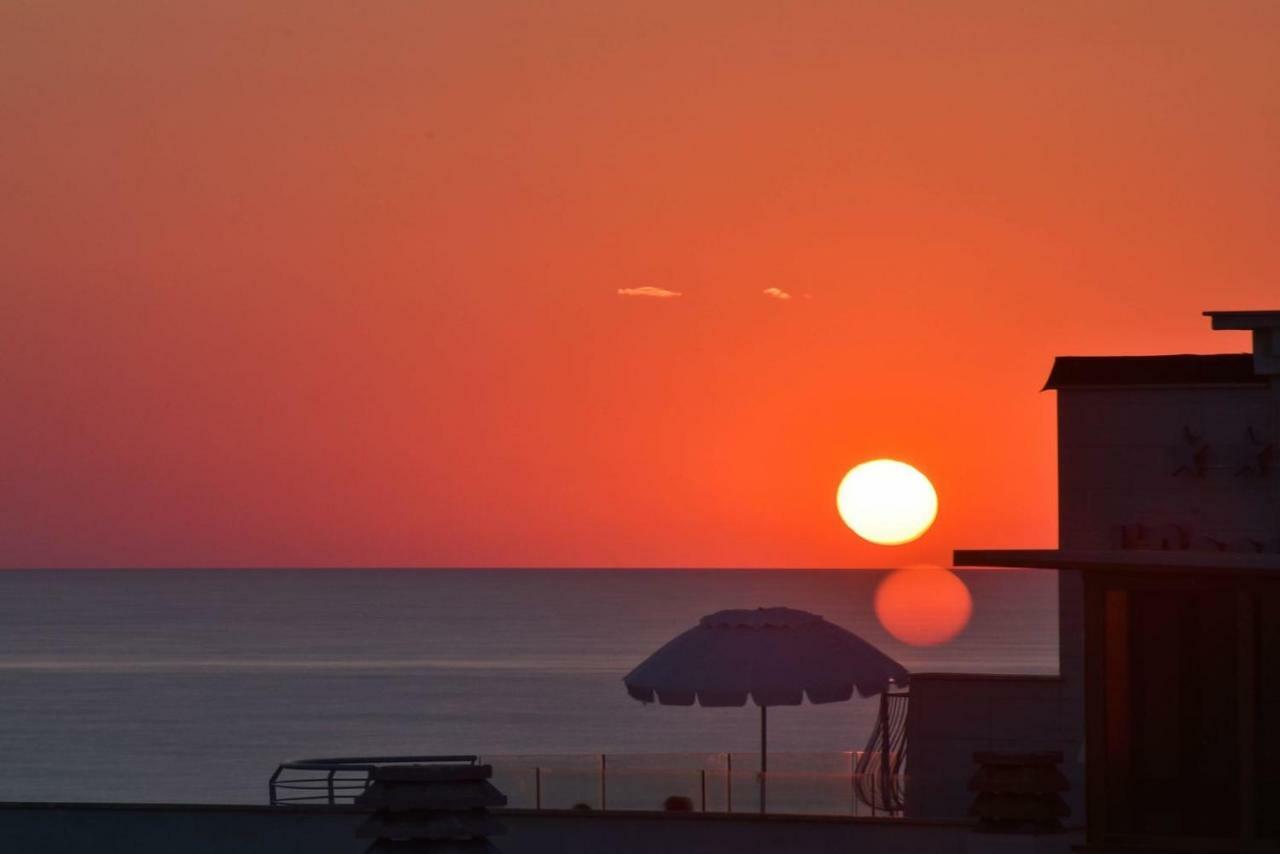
pixel 1169 583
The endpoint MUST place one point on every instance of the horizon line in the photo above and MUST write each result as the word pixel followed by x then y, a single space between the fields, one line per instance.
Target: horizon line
pixel 490 568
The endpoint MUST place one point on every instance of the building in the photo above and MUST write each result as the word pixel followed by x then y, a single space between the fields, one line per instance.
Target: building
pixel 1169 592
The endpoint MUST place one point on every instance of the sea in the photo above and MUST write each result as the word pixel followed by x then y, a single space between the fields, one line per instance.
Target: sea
pixel 191 685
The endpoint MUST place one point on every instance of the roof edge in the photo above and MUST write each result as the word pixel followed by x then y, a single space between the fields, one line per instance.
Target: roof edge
pixel 1183 369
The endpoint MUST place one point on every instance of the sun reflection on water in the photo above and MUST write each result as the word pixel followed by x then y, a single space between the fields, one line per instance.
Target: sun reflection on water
pixel 923 605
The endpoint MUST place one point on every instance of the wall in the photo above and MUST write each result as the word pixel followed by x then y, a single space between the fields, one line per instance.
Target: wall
pixel 1119 451
pixel 1119 487
pixel 144 829
pixel 189 829
pixel 1071 688
pixel 953 715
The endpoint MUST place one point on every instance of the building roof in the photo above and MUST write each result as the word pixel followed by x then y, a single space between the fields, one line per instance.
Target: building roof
pixel 1112 371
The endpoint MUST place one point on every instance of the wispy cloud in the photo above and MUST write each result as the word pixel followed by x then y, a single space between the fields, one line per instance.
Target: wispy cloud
pixel 776 293
pixel 648 291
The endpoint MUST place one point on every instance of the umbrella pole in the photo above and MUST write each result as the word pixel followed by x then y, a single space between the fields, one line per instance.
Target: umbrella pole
pixel 764 752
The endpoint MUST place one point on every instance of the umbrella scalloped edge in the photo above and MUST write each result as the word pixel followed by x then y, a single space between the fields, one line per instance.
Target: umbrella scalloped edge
pixel 726 699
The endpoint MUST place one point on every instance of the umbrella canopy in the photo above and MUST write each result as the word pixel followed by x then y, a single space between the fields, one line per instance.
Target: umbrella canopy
pixel 775 656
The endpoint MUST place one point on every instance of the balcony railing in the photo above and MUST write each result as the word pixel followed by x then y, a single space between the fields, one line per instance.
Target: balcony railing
pixel 798 783
pixel 339 780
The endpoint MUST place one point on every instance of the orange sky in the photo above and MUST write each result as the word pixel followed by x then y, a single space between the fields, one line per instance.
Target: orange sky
pixel 332 283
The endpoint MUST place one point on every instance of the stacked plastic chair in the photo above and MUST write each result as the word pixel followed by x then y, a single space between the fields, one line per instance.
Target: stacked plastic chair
pixel 1018 792
pixel 431 808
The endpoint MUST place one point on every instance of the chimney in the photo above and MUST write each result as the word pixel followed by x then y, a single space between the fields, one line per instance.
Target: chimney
pixel 1265 326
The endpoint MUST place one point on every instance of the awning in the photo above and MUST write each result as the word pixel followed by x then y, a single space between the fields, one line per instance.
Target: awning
pixel 1128 560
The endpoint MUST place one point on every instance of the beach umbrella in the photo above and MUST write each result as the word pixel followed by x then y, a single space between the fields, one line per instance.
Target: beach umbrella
pixel 774 656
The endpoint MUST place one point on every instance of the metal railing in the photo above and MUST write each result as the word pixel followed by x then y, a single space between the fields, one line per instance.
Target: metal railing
pixel 340 779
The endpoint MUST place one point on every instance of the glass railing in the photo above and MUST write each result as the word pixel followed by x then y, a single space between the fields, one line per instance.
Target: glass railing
pixel 796 783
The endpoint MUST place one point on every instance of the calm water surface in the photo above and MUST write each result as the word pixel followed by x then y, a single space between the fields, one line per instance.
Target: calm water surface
pixel 191 685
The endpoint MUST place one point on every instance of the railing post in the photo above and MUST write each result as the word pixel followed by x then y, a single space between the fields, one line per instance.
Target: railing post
pixel 332 771
pixel 537 787
pixel 886 781
pixel 702 772
pixel 728 782
pixel 853 782
pixel 603 785
pixel 764 755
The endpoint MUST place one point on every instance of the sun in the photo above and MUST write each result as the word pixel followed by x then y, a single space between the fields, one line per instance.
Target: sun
pixel 887 502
